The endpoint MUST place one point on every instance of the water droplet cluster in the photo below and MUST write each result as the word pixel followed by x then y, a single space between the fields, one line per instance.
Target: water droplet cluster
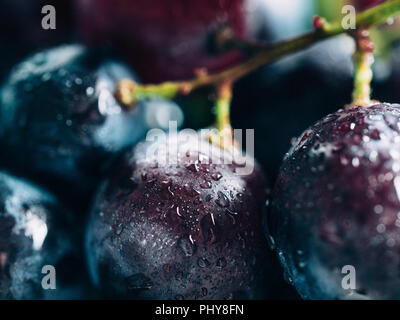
pixel 337 203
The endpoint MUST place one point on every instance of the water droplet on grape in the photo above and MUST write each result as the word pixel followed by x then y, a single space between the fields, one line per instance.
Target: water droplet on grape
pixel 216 176
pixel 203 263
pixel 205 185
pixel 89 91
pixel 119 229
pixel 222 200
pixel 194 167
pixel 187 246
pixel 287 277
pixel 221 263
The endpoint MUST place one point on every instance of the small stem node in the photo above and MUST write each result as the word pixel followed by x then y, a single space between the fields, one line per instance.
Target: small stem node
pixel 320 23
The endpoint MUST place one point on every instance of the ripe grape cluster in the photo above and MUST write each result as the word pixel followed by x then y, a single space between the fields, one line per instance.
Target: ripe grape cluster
pixel 86 191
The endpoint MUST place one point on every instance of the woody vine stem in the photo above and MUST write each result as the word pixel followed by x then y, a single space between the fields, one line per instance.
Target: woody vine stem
pixel 130 92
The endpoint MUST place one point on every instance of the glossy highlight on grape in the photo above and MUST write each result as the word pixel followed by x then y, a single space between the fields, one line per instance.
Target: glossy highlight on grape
pixel 36 231
pixel 61 123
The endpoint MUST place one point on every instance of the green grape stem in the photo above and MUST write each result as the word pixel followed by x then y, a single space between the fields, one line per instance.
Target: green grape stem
pixel 363 60
pixel 130 92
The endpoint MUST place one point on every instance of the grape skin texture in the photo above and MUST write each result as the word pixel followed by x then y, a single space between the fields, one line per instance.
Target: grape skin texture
pixel 186 231
pixel 336 203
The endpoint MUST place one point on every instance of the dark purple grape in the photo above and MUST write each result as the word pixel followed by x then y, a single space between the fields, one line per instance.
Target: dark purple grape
pixel 61 123
pixel 336 203
pixel 187 231
pixel 35 231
